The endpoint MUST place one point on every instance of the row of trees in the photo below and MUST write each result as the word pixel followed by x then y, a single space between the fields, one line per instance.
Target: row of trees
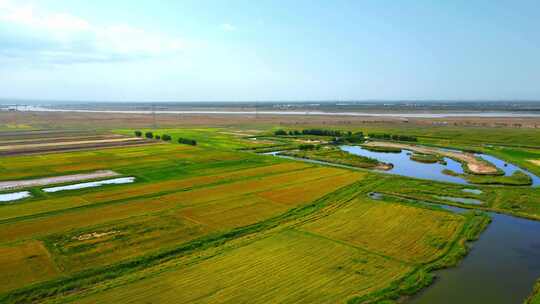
pixel 322 132
pixel 339 137
pixel 150 135
pixel 318 132
pixel 392 137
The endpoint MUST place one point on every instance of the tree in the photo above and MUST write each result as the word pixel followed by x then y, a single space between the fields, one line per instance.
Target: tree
pixel 187 141
pixel 149 135
pixel 157 137
pixel 166 137
pixel 357 137
pixel 138 133
pixel 280 132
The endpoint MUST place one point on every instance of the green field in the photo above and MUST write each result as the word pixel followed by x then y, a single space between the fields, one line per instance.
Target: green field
pixel 336 156
pixel 218 223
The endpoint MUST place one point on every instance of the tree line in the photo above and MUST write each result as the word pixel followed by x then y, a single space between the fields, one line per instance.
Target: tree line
pixel 165 137
pixel 318 132
pixel 339 137
pixel 387 136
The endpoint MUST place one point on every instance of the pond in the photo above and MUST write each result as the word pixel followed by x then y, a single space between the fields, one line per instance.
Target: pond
pixel 9 197
pixel 114 181
pixel 473 191
pixel 501 267
pixel 462 200
pixel 403 165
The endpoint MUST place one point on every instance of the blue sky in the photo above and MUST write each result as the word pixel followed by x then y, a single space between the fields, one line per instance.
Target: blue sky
pixel 269 50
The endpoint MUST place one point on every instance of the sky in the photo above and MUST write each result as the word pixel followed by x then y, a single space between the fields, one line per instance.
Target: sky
pixel 202 50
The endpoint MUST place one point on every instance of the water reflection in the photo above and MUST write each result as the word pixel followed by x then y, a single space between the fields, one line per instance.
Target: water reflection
pixel 403 165
pixel 115 181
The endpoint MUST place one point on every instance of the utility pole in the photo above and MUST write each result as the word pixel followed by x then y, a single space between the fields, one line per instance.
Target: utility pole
pixel 16 110
pixel 154 115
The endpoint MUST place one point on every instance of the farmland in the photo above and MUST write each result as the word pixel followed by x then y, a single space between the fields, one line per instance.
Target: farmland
pixel 216 217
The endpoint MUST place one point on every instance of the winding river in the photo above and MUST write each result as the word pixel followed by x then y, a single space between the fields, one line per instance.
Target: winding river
pixel 501 267
pixel 403 165
pixel 503 264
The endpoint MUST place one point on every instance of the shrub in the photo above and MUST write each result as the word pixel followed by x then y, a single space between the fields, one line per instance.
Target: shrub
pixel 187 141
pixel 157 137
pixel 306 147
pixel 138 133
pixel 357 137
pixel 280 132
pixel 149 135
pixel 166 137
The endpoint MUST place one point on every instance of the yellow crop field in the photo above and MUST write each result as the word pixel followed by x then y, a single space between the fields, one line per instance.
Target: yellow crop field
pixel 25 263
pixel 198 196
pixel 136 190
pixel 227 204
pixel 290 267
pixel 303 193
pixel 407 233
pixel 56 223
pixel 118 240
pixel 235 212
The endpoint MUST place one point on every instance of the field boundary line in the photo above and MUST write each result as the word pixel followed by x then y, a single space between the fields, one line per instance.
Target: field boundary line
pixel 344 243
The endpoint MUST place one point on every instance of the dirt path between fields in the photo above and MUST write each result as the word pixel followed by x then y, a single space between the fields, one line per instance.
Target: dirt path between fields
pixel 32 141
pixel 68 143
pixel 17 184
pixel 474 164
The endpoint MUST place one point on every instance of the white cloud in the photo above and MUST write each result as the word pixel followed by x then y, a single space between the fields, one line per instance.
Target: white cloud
pixel 228 27
pixel 58 37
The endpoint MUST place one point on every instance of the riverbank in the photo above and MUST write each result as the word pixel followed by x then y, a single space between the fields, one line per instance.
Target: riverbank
pixel 474 164
pixel 334 155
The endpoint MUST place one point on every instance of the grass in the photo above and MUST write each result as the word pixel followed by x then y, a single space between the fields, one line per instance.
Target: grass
pixel 214 138
pixel 518 178
pixel 518 201
pixel 298 263
pixel 317 270
pixel 25 263
pixel 108 275
pixel 335 155
pixel 382 149
pixel 406 233
pixel 534 298
pixel 202 223
pixel 181 194
pixel 427 158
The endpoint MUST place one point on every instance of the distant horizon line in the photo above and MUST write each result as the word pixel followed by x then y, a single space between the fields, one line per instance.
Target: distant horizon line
pixel 75 101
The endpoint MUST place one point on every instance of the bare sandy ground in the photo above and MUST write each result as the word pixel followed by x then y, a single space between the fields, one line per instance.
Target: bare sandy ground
pixel 535 161
pixel 67 143
pixel 17 184
pixel 58 139
pixel 118 120
pixel 474 164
